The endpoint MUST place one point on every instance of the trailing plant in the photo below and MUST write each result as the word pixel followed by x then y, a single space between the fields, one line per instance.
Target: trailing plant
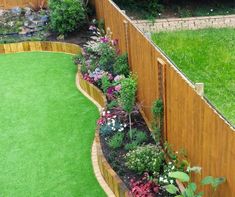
pixel 127 97
pixel 121 66
pixel 116 140
pixel 66 16
pixel 147 158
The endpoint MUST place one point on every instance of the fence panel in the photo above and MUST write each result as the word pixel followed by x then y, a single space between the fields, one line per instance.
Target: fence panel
pixel 7 4
pixel 191 123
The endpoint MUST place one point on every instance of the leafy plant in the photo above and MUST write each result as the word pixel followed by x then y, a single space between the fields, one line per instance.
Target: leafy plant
pixel 116 140
pixel 121 66
pixel 112 104
pixel 107 56
pixel 144 187
pixel 139 136
pixel 147 158
pixel 214 182
pixel 105 83
pixel 191 189
pixel 131 146
pixel 66 15
pixel 127 97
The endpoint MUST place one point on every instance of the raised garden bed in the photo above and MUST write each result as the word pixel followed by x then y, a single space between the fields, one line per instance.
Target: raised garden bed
pixel 145 164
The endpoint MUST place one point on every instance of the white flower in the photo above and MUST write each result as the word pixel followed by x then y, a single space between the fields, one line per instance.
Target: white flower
pixel 171 181
pixel 212 10
pixel 160 179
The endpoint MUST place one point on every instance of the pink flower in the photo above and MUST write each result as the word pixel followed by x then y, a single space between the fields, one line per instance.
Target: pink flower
pixel 118 78
pixel 92 28
pixel 115 42
pixel 118 87
pixel 101 121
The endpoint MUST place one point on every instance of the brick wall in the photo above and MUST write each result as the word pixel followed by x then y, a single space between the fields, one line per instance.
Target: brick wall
pixel 186 23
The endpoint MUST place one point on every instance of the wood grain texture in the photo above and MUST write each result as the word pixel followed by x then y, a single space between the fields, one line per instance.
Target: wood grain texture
pixel 191 122
pixel 8 4
pixel 40 46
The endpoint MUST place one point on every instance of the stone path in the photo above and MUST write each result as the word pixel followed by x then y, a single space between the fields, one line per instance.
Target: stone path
pixel 173 24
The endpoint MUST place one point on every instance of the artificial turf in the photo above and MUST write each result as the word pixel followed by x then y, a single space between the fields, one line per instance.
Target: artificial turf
pixel 206 56
pixel 46 128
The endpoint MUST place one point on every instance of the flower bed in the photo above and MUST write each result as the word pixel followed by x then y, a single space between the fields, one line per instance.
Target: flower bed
pixel 147 165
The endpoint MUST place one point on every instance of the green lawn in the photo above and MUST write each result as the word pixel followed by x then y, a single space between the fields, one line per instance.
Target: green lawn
pixel 46 128
pixel 206 56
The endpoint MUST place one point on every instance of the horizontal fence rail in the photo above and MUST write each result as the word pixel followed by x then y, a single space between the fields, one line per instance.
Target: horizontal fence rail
pixel 190 122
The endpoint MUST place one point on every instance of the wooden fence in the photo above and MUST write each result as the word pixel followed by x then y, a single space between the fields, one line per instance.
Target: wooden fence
pixel 7 4
pixel 190 121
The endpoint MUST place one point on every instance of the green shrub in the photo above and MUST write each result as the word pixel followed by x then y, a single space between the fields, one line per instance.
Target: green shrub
pixel 66 15
pixel 131 146
pixel 121 66
pixel 105 83
pixel 107 57
pixel 139 136
pixel 148 158
pixel 116 140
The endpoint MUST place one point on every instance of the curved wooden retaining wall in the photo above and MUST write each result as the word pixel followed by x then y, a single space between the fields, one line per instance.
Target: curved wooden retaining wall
pixel 40 46
pixel 109 175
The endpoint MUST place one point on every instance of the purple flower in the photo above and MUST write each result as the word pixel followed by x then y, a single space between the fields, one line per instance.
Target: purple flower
pixel 104 40
pixel 110 90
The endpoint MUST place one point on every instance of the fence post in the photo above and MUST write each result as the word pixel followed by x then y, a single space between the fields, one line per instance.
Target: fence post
pixel 127 41
pixel 162 93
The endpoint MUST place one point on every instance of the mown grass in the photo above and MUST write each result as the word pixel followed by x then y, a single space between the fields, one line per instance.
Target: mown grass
pixel 46 128
pixel 206 56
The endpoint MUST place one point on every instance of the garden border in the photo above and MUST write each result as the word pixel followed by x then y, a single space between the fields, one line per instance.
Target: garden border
pixel 112 180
